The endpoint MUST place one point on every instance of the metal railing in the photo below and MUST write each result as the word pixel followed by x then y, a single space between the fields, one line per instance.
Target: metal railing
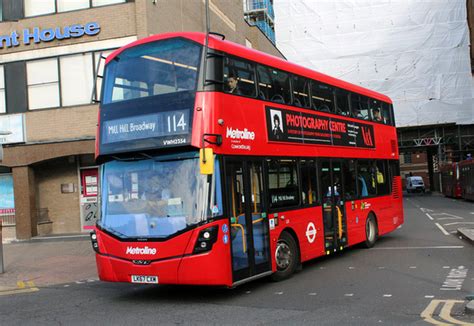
pixel 7 216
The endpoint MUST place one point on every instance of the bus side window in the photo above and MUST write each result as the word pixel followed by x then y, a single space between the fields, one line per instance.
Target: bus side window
pixel 309 194
pixel 376 111
pixel 283 186
pixel 300 86
pixel 360 106
pixel 366 179
pixel 275 84
pixel 350 184
pixel 243 72
pixel 342 102
pixel 382 177
pixel 322 97
pixel 386 114
pixel 264 83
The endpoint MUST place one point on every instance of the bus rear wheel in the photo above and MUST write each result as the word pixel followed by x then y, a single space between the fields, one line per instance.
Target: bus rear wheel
pixel 371 231
pixel 286 257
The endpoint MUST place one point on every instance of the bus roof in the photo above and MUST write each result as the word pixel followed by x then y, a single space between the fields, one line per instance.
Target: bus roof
pixel 232 48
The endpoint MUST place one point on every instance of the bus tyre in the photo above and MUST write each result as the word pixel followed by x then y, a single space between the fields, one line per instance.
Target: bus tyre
pixel 286 257
pixel 371 231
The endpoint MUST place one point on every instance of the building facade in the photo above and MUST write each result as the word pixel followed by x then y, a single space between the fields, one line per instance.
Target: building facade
pixel 50 52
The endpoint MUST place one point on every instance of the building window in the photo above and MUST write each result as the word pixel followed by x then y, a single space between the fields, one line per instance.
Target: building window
pixel 43 84
pixel 68 5
pixel 99 69
pixel 44 7
pixel 76 79
pixel 36 8
pixel 2 90
pixel 98 3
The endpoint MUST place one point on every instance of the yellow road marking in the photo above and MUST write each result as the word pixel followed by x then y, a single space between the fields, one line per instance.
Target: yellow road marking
pixel 427 314
pixel 31 284
pixel 18 291
pixel 445 314
pixel 20 284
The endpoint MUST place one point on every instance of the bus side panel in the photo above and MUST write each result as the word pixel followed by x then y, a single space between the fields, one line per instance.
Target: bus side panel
pixel 212 267
pixel 301 221
pixel 355 222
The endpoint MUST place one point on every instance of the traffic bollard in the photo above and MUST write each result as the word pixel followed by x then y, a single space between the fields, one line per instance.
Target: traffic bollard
pixel 2 270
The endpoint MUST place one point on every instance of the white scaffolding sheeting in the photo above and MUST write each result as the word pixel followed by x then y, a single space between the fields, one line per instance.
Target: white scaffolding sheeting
pixel 416 52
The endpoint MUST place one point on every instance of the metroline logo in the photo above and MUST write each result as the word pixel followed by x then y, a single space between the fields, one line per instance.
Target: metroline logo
pixel 240 134
pixel 140 251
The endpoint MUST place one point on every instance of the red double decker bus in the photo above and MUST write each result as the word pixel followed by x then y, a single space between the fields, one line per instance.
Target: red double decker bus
pixel 221 164
pixel 450 183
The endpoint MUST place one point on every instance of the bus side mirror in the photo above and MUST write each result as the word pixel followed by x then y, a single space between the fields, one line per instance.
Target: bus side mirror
pixel 206 160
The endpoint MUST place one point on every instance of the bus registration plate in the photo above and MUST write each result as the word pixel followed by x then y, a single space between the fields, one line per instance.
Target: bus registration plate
pixel 144 279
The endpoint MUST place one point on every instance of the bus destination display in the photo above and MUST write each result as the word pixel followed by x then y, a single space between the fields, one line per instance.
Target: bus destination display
pixel 171 126
pixel 298 127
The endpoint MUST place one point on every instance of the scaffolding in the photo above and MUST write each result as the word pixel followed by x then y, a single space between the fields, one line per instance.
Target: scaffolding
pixel 260 13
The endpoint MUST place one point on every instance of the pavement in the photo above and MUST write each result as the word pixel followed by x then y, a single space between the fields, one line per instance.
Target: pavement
pixel 44 261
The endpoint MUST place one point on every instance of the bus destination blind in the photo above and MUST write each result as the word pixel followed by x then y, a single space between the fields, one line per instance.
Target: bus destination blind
pixel 172 126
pixel 298 127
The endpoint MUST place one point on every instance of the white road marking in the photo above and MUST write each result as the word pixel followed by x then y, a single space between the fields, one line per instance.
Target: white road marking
pixel 66 286
pixel 430 247
pixel 278 293
pixel 446 267
pixel 442 229
pixel 429 296
pixel 248 292
pixel 349 294
pixel 454 223
pixel 412 267
pixel 351 267
pixel 455 279
pixel 381 267
pixel 322 267
pixel 429 216
pixel 312 293
pixel 387 295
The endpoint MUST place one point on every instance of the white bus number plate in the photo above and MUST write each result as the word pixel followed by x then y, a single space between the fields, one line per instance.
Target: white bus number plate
pixel 145 279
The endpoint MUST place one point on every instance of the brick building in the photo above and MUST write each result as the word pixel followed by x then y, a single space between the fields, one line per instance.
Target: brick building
pixel 49 52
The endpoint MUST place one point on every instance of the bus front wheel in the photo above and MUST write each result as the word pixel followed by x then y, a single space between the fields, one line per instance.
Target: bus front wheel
pixel 286 257
pixel 371 231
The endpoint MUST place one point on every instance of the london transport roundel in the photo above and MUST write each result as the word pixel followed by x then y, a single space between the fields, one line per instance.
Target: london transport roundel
pixel 311 232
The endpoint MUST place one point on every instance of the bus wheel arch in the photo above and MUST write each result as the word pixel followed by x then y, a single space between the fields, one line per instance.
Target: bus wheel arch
pixel 371 230
pixel 287 255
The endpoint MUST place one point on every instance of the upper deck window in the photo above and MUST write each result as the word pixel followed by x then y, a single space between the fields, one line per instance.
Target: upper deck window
pixel 240 77
pixel 161 67
pixel 300 91
pixel 360 106
pixel 273 85
pixel 322 97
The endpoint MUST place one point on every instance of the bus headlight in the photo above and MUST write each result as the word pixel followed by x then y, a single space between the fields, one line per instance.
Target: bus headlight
pixel 95 244
pixel 206 239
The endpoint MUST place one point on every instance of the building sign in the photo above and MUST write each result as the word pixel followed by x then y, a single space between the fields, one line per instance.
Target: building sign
pixel 37 35
pixel 174 124
pixel 298 127
pixel 14 125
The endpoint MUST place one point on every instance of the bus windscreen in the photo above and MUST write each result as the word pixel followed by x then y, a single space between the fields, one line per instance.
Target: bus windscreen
pixel 154 198
pixel 156 68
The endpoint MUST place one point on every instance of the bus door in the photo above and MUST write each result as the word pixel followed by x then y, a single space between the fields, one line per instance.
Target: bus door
pixel 250 239
pixel 334 214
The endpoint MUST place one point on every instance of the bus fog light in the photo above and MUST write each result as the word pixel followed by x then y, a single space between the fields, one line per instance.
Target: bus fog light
pixel 206 239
